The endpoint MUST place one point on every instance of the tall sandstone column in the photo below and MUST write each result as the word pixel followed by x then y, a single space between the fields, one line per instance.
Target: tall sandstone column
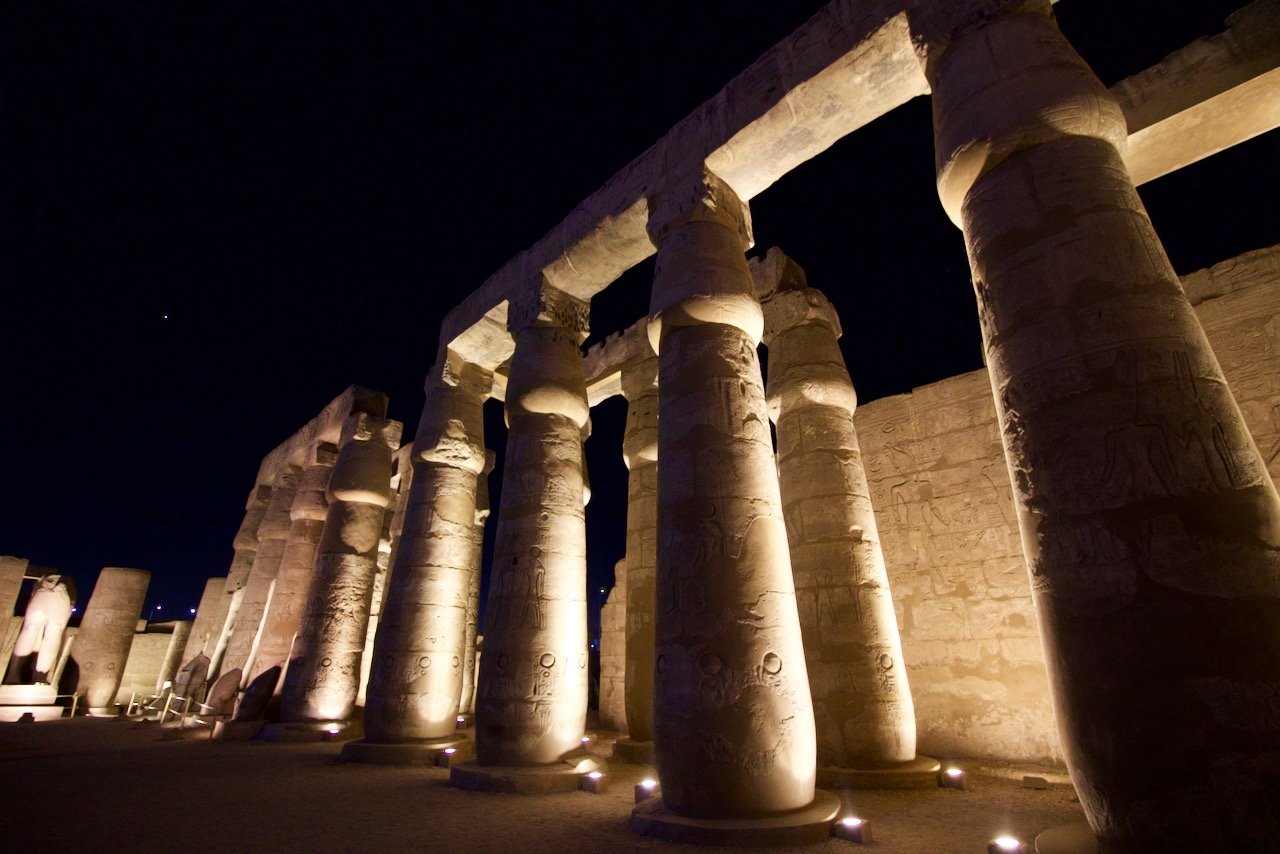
pixel 323 676
pixel 466 702
pixel 416 681
pixel 1149 523
pixel 307 515
pixel 106 634
pixel 531 704
pixel 733 721
pixel 211 617
pixel 245 551
pixel 272 535
pixel 640 452
pixel 862 705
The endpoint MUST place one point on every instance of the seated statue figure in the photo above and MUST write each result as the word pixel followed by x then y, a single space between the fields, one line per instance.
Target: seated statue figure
pixel 35 653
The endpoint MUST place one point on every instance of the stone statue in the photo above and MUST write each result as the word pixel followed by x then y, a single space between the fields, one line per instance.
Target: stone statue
pixel 35 653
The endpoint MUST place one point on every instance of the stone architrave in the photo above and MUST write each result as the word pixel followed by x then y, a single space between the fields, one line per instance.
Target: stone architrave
pixel 466 703
pixel 531 702
pixel 106 633
pixel 1149 523
pixel 416 681
pixel 272 536
pixel 640 452
pixel 862 704
pixel 733 721
pixel 323 676
pixel 211 617
pixel 307 515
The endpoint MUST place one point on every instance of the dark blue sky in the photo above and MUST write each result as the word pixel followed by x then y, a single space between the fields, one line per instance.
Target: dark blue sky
pixel 218 219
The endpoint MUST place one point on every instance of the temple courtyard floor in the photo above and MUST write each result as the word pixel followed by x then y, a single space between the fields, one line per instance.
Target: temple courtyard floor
pixel 124 784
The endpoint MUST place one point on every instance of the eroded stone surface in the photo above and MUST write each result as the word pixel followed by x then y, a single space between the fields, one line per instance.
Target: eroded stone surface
pixel 106 633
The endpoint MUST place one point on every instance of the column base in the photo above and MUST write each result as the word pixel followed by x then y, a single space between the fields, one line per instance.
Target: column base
pixel 103 712
pixel 303 731
pixel 535 780
pixel 635 752
pixel 405 753
pixel 798 827
pixel 919 773
pixel 1076 838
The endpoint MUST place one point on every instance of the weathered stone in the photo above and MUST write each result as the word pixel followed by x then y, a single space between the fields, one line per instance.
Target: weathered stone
pixel 106 633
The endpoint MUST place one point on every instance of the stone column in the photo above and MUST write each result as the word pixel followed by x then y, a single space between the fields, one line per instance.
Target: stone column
pixel 211 616
pixel 416 681
pixel 1149 523
pixel 733 722
pixel 640 452
pixel 173 654
pixel 307 515
pixel 272 535
pixel 862 704
pixel 106 633
pixel 324 673
pixel 613 660
pixel 466 704
pixel 531 704
pixel 245 547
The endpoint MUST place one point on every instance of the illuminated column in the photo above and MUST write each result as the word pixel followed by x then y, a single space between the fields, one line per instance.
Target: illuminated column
pixel 245 547
pixel 733 722
pixel 466 702
pixel 211 617
pixel 531 704
pixel 272 535
pixel 640 451
pixel 1149 523
pixel 862 705
pixel 293 579
pixel 416 680
pixel 324 671
pixel 106 634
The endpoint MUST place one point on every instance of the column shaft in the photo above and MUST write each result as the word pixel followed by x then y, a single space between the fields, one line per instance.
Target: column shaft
pixel 640 451
pixel 106 634
pixel 1150 525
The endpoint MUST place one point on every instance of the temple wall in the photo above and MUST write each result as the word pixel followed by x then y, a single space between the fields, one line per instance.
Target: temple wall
pixel 945 511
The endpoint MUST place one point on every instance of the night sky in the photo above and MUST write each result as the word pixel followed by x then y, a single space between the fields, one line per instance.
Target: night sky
pixel 218 219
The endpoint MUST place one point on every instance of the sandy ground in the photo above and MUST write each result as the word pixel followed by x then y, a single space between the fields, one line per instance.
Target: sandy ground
pixel 116 785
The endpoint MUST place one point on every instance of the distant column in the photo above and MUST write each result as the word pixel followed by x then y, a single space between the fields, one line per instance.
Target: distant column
pixel 862 704
pixel 307 514
pixel 324 673
pixel 532 701
pixel 733 722
pixel 211 616
pixel 173 654
pixel 245 547
pixel 272 535
pixel 1149 522
pixel 640 452
pixel 106 633
pixel 416 681
pixel 466 705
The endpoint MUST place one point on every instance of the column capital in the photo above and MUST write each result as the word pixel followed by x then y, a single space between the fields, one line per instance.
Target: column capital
pixel 543 305
pixel 934 26
pixel 640 377
pixel 700 196
pixel 451 429
pixel 363 427
pixel 362 473
pixel 785 310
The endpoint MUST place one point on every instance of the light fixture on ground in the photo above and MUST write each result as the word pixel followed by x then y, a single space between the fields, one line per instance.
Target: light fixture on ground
pixel 951 777
pixel 852 829
pixel 1006 844
pixel 593 783
pixel 646 788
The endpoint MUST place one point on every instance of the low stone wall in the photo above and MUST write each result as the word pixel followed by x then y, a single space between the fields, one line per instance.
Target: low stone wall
pixel 945 512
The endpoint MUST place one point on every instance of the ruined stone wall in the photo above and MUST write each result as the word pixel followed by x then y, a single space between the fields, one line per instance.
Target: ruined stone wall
pixel 945 511
pixel 613 654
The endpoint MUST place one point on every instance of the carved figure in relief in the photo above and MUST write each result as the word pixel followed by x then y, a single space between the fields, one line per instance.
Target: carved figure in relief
pixel 531 613
pixel 35 653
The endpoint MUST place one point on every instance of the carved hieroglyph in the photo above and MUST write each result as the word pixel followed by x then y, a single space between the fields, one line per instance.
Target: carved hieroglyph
pixel 1149 523
pixel 640 452
pixel 415 685
pixel 297 565
pixel 862 705
pixel 106 633
pixel 733 721
pixel 531 702
pixel 323 676
pixel 272 535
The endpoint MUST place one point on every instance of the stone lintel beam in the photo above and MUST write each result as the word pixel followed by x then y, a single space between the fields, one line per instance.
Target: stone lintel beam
pixel 606 361
pixel 846 66
pixel 1212 94
pixel 324 427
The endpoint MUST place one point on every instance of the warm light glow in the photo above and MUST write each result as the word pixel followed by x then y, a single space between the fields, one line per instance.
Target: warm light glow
pixel 595 775
pixel 1007 843
pixel 649 783
pixel 334 729
pixel 461 719
pixel 850 821
pixel 953 773
pixel 449 751
pixel 586 739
